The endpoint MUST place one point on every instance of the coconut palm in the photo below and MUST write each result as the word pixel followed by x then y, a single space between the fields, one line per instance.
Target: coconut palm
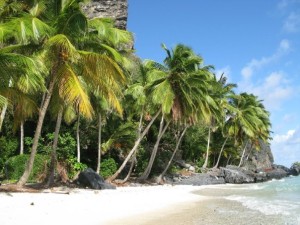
pixel 21 75
pixel 181 90
pixel 136 96
pixel 221 93
pixel 67 64
pixel 250 121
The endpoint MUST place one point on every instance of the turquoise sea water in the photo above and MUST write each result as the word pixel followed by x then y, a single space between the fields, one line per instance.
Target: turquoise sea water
pixel 276 197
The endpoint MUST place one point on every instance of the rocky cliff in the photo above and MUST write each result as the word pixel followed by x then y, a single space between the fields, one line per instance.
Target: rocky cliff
pixel 116 9
pixel 259 159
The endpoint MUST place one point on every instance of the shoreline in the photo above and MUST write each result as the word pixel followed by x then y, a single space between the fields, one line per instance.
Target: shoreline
pixel 143 205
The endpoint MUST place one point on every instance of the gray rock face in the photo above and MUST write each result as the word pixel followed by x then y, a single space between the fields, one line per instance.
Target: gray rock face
pixel 259 160
pixel 236 175
pixel 295 169
pixel 276 173
pixel 198 180
pixel 115 9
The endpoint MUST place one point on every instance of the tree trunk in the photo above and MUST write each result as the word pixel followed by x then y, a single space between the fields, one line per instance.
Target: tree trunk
pixel 134 149
pixel 78 138
pixel 99 143
pixel 2 115
pixel 131 168
pixel 53 163
pixel 241 161
pixel 42 113
pixel 160 177
pixel 228 160
pixel 251 147
pixel 133 162
pixel 220 154
pixel 161 132
pixel 207 149
pixel 22 138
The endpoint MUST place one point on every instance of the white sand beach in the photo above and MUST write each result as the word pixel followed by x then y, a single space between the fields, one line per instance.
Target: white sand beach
pixel 146 205
pixel 93 207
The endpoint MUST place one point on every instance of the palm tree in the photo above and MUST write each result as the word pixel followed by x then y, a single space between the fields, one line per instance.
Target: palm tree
pixel 250 121
pixel 136 99
pixel 67 63
pixel 181 90
pixel 222 93
pixel 21 77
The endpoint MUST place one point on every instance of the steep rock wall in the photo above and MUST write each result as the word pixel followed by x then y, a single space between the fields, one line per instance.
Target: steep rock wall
pixel 259 159
pixel 116 9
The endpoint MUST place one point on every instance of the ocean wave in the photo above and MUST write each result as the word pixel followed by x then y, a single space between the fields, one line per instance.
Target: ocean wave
pixel 271 207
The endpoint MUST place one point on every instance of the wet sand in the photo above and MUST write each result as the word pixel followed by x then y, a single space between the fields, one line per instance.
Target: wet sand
pixel 213 209
pixel 215 212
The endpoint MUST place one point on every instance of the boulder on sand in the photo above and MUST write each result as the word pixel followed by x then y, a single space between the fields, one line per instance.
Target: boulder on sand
pixel 90 179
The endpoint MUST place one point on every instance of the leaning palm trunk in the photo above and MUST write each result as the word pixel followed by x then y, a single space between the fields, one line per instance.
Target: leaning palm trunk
pixel 2 115
pixel 53 163
pixel 160 177
pixel 99 143
pixel 134 149
pixel 22 138
pixel 37 135
pixel 161 132
pixel 241 161
pixel 78 138
pixel 133 161
pixel 220 154
pixel 207 149
pixel 227 163
pixel 251 148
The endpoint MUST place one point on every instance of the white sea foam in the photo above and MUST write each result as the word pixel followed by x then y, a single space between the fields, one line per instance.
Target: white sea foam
pixel 266 207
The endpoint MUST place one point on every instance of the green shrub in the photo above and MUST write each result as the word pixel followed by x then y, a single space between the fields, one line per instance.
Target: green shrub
pixel 73 167
pixel 296 164
pixel 15 166
pixel 8 148
pixel 108 167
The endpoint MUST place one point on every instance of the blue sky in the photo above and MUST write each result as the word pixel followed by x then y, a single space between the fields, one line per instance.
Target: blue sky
pixel 256 43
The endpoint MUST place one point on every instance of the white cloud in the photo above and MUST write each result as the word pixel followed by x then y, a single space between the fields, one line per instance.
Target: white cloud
pixel 273 90
pixel 286 147
pixel 254 64
pixel 292 23
pixel 225 70
pixel 281 138
pixel 284 46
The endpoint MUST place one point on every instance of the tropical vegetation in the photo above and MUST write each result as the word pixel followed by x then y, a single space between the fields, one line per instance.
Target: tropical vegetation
pixel 74 95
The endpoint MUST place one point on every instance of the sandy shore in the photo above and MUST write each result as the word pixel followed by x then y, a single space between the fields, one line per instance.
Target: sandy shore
pixel 91 207
pixel 167 205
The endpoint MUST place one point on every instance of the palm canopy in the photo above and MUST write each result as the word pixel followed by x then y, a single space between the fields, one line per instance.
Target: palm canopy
pixel 250 119
pixel 180 86
pixel 22 73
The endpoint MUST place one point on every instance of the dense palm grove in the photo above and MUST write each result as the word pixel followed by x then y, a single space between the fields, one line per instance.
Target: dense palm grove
pixel 73 95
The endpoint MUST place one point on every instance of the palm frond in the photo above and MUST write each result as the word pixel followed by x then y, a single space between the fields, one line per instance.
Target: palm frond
pixel 72 91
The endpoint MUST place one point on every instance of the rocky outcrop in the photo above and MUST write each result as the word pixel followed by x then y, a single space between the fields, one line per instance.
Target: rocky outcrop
pixel 240 175
pixel 115 9
pixel 198 179
pixel 295 169
pixel 90 179
pixel 236 175
pixel 277 172
pixel 258 159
